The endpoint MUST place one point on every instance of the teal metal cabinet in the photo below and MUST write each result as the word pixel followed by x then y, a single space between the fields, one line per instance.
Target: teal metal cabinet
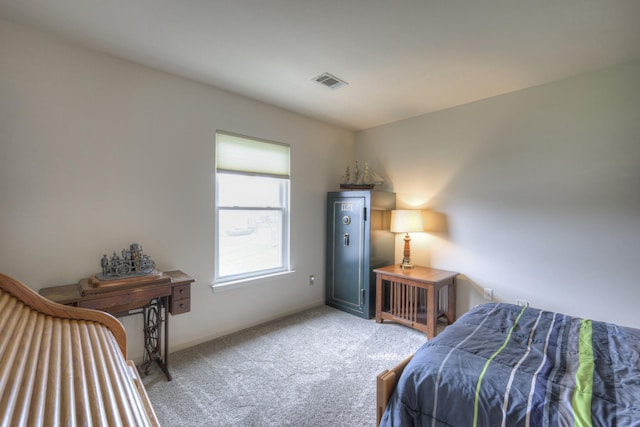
pixel 358 240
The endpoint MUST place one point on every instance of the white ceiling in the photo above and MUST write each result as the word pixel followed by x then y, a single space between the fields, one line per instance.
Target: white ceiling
pixel 401 58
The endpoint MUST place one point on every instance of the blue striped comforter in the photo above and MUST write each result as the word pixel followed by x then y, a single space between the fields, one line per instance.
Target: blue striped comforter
pixel 505 365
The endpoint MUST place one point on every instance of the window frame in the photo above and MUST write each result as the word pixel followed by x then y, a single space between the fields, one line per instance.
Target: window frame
pixel 283 208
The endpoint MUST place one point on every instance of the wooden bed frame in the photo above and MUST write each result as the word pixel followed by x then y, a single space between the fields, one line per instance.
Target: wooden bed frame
pixel 386 382
pixel 61 365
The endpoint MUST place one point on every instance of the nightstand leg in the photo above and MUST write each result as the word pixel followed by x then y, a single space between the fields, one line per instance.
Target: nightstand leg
pixel 451 302
pixel 379 298
pixel 432 312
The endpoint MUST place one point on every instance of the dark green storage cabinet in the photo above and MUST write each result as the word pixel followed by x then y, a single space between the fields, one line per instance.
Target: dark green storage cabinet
pixel 358 240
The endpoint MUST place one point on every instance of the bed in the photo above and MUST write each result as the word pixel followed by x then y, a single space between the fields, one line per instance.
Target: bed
pixel 63 365
pixel 507 365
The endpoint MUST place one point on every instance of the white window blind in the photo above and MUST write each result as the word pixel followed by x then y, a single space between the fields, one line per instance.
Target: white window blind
pixel 235 153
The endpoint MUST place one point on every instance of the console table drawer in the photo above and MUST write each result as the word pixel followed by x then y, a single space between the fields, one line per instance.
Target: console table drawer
pixel 180 299
pixel 181 291
pixel 122 302
pixel 180 306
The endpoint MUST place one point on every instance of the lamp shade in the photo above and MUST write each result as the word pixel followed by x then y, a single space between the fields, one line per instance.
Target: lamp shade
pixel 406 221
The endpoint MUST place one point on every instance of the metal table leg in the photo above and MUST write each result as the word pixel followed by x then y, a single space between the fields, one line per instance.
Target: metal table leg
pixel 155 314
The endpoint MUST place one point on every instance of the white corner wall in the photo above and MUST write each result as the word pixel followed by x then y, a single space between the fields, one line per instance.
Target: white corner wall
pixel 97 153
pixel 536 193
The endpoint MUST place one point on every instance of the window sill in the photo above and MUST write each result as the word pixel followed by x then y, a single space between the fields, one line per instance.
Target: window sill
pixel 236 284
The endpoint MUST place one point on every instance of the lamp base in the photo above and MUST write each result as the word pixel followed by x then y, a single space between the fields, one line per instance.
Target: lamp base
pixel 406 260
pixel 406 264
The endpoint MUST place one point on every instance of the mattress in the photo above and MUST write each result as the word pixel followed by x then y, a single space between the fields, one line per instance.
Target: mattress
pixel 506 365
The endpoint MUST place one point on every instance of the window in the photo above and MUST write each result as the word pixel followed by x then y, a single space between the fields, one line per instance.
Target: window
pixel 252 208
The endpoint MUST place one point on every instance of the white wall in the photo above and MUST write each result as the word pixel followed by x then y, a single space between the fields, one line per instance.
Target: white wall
pixel 97 153
pixel 537 193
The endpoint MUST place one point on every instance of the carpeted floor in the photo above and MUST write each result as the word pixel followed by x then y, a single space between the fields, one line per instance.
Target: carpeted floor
pixel 316 368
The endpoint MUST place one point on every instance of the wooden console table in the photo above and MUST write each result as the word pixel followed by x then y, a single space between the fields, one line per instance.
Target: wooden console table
pixel 413 296
pixel 155 299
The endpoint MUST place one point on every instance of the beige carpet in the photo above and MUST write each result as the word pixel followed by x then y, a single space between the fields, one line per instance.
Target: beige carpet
pixel 316 368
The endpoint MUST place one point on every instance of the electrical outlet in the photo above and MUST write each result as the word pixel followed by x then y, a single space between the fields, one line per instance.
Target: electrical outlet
pixel 488 294
pixel 312 279
pixel 522 302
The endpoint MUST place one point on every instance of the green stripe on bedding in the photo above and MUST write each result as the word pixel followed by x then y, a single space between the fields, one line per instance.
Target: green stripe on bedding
pixel 581 402
pixel 486 366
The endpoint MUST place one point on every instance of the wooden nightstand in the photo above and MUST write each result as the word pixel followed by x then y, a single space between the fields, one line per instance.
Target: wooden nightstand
pixel 415 297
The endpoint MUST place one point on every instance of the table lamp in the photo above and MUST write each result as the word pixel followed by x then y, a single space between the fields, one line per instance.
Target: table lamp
pixel 406 221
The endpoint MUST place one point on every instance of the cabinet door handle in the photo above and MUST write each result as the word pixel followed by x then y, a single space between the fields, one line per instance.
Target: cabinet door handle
pixel 346 239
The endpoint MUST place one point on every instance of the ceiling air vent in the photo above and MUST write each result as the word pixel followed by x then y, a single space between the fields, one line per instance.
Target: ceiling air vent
pixel 330 81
